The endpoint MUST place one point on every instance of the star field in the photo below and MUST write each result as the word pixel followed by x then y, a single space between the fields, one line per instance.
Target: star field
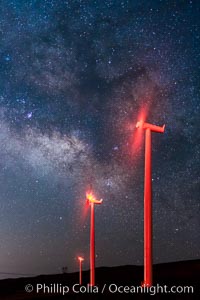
pixel 74 77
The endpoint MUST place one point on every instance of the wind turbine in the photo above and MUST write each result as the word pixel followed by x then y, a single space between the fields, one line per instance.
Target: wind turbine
pixel 148 278
pixel 90 198
pixel 81 259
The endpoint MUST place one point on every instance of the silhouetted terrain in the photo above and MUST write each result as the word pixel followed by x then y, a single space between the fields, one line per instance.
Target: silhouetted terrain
pixel 186 273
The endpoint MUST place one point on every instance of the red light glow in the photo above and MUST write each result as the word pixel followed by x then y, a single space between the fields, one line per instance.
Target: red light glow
pixel 85 210
pixel 138 134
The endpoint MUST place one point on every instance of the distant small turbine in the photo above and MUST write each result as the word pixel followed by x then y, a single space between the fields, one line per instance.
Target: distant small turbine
pixel 81 259
pixel 90 198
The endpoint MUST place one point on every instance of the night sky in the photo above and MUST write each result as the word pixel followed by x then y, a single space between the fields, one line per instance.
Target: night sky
pixel 74 78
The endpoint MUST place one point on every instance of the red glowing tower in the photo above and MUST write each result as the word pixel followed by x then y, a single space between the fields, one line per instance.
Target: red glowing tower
pixel 81 259
pixel 92 201
pixel 148 201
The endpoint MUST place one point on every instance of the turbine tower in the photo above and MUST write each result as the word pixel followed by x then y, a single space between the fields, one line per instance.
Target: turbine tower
pixel 148 278
pixel 90 198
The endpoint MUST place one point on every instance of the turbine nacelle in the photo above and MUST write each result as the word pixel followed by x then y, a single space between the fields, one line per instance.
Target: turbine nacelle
pixel 155 128
pixel 80 258
pixel 90 198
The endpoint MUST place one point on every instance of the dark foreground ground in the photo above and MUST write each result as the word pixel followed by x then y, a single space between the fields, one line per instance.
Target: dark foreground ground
pixel 186 273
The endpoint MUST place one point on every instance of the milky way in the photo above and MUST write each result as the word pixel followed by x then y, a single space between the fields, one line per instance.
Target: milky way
pixel 74 77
